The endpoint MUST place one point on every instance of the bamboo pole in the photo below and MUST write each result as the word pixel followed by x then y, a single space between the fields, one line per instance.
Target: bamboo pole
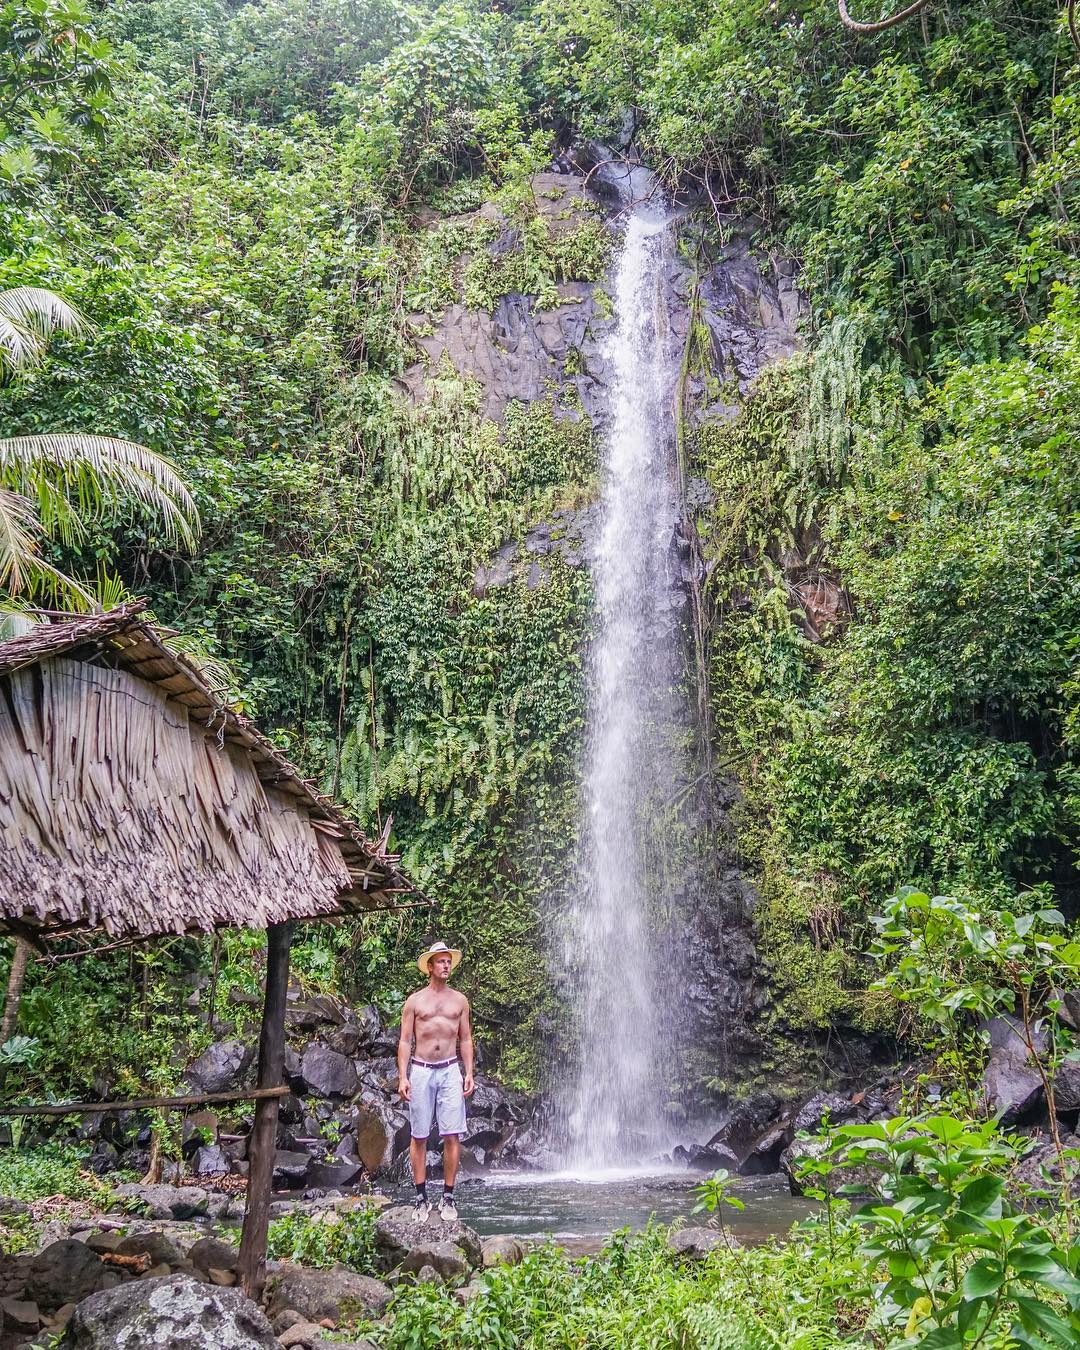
pixel 20 959
pixel 262 1142
pixel 145 1103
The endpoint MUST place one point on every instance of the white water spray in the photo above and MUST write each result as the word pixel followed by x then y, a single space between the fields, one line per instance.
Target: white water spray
pixel 613 1103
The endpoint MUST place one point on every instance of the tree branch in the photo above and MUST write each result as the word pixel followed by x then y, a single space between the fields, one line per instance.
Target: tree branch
pixel 879 25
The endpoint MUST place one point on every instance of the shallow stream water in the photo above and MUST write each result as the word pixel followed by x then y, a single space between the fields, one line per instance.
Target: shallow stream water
pixel 580 1211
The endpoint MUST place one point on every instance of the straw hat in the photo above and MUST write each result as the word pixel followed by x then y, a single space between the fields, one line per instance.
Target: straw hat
pixel 437 949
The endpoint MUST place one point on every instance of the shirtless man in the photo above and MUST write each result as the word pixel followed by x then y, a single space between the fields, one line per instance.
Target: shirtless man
pixel 430 1076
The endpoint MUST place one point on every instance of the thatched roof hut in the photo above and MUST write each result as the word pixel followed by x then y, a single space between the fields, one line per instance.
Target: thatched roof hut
pixel 133 801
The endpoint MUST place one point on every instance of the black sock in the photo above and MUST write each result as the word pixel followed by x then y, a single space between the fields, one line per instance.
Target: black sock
pixel 421 1190
pixel 448 1191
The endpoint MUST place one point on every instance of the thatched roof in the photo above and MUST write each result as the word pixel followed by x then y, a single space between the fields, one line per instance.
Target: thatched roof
pixel 133 800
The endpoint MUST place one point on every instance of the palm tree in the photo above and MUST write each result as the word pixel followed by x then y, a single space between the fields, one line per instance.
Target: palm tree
pixel 53 486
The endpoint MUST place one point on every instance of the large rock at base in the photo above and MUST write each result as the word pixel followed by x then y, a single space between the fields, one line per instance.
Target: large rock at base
pixel 1012 1087
pixel 337 1293
pixel 397 1233
pixel 1066 1087
pixel 221 1066
pixel 210 1253
pixel 706 1158
pixel 502 1250
pixel 763 1158
pixel 327 1073
pixel 64 1272
pixel 174 1311
pixel 746 1121
pixel 445 1258
pixel 290 1167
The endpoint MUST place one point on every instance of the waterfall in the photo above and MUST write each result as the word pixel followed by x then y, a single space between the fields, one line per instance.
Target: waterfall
pixel 612 1105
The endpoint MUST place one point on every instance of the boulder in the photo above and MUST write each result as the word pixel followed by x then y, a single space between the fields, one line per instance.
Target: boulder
pixel 210 1253
pixel 1066 1087
pixel 810 1116
pixel 221 1066
pixel 65 1271
pixel 9 1205
pixel 1012 1087
pixel 1039 1177
pixel 155 1246
pixel 695 1244
pixel 445 1258
pixel 763 1157
pixel 290 1167
pixel 336 1293
pixel 397 1233
pixel 177 1311
pixel 327 1073
pixel 707 1158
pixel 167 1202
pixel 19 1314
pixel 307 1014
pixel 301 1334
pixel 211 1160
pixel 373 1137
pixel 501 1250
pixel 746 1121
pixel 328 1176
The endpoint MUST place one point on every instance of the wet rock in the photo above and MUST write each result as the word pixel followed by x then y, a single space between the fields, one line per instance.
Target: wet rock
pixel 703 1158
pixel 501 1250
pixel 812 1114
pixel 763 1157
pixel 746 1121
pixel 308 1014
pixel 66 1271
pixel 1066 1085
pixel 396 1234
pixel 220 1067
pixel 1012 1087
pixel 332 1293
pixel 176 1311
pixel 327 1073
pixel 445 1258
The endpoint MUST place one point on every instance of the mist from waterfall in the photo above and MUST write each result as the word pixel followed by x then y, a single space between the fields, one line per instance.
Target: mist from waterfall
pixel 612 1105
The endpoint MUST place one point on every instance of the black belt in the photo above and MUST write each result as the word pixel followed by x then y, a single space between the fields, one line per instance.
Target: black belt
pixel 441 1064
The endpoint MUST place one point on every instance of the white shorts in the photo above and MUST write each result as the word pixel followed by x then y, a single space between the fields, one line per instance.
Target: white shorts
pixel 437 1093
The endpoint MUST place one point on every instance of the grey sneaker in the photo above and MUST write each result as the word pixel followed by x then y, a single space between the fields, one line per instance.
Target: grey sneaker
pixel 421 1211
pixel 447 1209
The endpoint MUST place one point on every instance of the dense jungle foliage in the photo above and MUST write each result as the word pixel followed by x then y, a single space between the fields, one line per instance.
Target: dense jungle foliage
pixel 259 206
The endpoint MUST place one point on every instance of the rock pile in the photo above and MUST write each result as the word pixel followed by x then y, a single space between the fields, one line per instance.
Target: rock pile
pixel 342 1123
pixel 171 1285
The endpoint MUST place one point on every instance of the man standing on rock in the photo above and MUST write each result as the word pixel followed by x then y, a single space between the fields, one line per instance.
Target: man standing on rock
pixel 430 1074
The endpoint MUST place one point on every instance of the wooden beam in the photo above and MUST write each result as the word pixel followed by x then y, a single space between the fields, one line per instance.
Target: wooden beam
pixel 262 1142
pixel 146 1103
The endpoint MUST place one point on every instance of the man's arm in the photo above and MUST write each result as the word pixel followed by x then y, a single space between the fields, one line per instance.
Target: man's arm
pixel 404 1047
pixel 465 1042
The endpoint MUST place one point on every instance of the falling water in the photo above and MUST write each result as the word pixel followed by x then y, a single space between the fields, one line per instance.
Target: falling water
pixel 613 1106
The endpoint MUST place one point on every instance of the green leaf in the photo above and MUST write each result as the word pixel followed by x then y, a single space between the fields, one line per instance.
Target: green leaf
pixel 1037 1316
pixel 984 1278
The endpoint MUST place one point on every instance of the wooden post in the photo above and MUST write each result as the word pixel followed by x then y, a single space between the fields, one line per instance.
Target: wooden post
pixel 262 1142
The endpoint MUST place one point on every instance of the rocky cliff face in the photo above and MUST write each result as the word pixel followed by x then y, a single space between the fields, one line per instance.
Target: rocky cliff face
pixel 740 311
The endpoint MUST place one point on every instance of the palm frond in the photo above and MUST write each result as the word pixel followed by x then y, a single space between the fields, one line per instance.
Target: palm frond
pixel 73 476
pixel 22 570
pixel 29 315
